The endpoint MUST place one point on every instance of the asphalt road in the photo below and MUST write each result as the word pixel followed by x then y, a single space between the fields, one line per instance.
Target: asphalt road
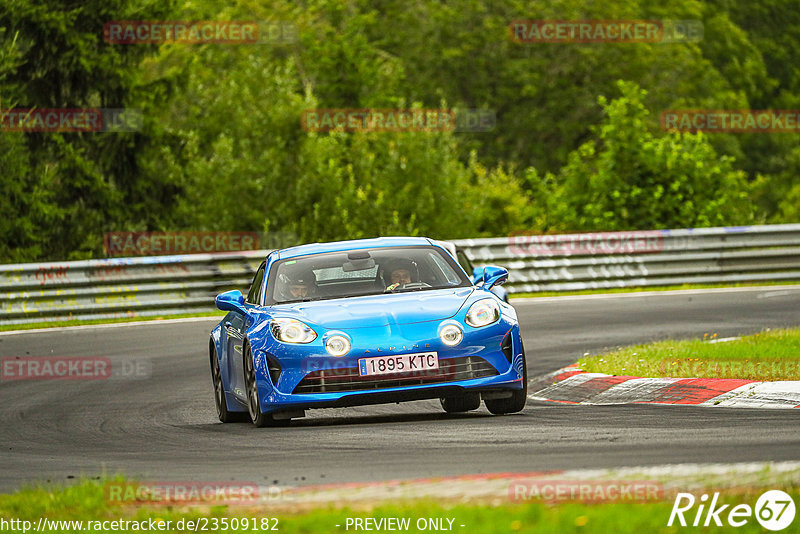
pixel 164 427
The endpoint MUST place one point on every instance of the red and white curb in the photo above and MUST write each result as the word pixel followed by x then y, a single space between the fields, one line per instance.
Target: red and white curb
pixel 572 385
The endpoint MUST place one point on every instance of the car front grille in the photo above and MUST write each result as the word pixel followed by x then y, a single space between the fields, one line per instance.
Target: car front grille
pixel 348 379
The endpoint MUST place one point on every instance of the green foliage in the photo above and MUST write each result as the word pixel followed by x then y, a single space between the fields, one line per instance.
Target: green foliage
pixel 782 191
pixel 25 197
pixel 26 203
pixel 80 181
pixel 631 179
pixel 533 513
pixel 221 147
pixel 761 57
pixel 245 164
pixel 770 355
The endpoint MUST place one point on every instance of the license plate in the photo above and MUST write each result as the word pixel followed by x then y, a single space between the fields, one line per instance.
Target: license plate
pixel 400 363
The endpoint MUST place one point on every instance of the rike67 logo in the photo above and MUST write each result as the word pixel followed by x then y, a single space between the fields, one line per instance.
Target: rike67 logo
pixel 774 510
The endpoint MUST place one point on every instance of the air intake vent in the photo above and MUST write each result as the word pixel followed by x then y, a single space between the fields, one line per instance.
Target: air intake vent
pixel 274 367
pixel 506 347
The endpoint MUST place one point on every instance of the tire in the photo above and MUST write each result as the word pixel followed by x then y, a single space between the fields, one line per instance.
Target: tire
pixel 257 417
pixel 461 403
pixel 516 402
pixel 225 415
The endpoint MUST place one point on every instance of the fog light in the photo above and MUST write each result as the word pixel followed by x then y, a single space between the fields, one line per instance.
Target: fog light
pixel 451 335
pixel 337 345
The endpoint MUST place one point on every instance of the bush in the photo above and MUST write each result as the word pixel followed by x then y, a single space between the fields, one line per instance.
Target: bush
pixel 630 179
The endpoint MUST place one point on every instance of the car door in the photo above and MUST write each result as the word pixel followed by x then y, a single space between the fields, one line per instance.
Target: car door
pixel 236 328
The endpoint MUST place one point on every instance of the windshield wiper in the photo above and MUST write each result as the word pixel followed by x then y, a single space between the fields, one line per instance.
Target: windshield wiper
pixel 295 301
pixel 411 289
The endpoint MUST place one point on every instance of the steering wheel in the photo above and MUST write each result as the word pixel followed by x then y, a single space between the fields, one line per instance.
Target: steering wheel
pixel 414 285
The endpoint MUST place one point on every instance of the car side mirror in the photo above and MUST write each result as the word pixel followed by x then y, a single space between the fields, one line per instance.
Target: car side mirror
pixel 230 301
pixel 493 276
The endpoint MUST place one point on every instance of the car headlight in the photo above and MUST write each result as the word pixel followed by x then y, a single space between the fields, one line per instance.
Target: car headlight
pixel 292 331
pixel 451 334
pixel 337 345
pixel 482 312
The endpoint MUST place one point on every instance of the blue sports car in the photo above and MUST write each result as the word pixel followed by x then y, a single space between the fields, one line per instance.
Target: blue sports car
pixel 362 322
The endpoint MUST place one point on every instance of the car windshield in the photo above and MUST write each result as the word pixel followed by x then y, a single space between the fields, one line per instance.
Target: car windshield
pixel 362 272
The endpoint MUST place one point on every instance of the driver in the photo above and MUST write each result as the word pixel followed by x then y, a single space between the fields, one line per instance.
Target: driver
pixel 399 273
pixel 299 286
pixel 400 276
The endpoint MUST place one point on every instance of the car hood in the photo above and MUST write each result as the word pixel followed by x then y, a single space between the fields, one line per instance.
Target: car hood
pixel 380 310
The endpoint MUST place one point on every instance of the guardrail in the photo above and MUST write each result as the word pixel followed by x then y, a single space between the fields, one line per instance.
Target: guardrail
pixel 121 287
pixel 169 285
pixel 643 258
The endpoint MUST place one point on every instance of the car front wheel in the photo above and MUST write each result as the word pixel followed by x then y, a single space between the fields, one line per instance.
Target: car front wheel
pixel 461 403
pixel 225 415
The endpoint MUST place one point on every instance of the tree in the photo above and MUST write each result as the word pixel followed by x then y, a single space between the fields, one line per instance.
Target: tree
pixel 631 179
pixel 92 179
pixel 246 164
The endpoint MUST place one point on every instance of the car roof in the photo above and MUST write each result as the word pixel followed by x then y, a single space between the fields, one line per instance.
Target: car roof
pixel 354 244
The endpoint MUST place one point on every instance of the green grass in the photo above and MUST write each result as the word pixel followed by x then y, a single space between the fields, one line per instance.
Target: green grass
pixel 646 288
pixel 78 322
pixel 86 501
pixel 769 355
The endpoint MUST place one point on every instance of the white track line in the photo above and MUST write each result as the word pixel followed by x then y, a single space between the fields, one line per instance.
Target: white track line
pixel 109 325
pixel 655 293
pixel 784 394
pixel 633 390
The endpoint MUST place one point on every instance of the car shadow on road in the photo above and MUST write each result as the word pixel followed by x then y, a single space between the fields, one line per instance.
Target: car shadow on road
pixel 369 419
pixel 329 420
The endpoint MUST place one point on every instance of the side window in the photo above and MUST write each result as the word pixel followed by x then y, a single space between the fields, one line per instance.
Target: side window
pixel 463 260
pixel 442 273
pixel 260 288
pixel 255 289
